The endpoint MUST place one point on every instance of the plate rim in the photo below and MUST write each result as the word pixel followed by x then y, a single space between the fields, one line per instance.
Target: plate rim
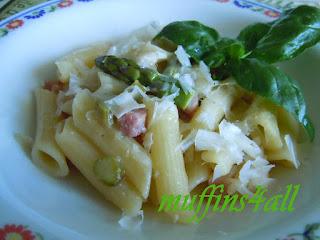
pixel 18 20
pixel 13 23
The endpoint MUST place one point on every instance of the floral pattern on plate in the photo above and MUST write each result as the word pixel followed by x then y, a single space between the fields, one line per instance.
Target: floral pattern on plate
pixel 18 232
pixel 267 10
pixel 311 232
pixel 18 20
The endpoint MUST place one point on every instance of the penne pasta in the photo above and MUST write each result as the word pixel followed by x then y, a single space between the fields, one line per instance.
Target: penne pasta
pixel 69 64
pixel 112 142
pixel 197 170
pixel 288 124
pixel 287 155
pixel 260 116
pixel 83 155
pixel 213 108
pixel 167 158
pixel 67 107
pixel 45 152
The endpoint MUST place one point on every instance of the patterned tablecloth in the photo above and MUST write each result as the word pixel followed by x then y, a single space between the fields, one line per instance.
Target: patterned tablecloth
pixel 10 7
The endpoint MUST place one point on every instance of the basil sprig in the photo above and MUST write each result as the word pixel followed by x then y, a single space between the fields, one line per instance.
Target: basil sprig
pixel 268 81
pixel 196 38
pixel 248 57
pixel 295 31
pixel 252 34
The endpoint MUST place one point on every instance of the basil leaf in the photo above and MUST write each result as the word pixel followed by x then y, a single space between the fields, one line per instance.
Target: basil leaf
pixel 251 34
pixel 220 55
pixel 269 82
pixel 224 50
pixel 194 37
pixel 290 35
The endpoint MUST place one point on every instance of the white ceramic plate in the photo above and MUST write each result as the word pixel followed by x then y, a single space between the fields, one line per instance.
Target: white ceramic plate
pixel 69 208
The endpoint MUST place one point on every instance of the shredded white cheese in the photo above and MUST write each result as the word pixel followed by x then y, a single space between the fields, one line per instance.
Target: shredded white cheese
pixel 204 69
pixel 60 102
pixel 223 167
pixel 254 173
pixel 124 102
pixel 188 141
pixel 207 140
pixel 204 83
pixel 187 83
pixel 171 97
pixel 109 87
pixel 145 54
pixel 74 85
pixel 138 47
pixel 132 222
pixel 292 150
pixel 234 135
pixel 148 55
pixel 183 57
pixel 229 145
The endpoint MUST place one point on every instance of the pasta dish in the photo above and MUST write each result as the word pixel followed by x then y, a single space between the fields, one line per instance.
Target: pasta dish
pixel 166 111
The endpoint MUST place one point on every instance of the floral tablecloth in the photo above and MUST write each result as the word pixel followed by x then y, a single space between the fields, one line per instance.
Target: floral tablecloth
pixel 10 7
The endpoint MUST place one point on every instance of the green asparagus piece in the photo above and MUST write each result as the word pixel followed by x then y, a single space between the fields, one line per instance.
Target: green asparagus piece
pixel 109 170
pixel 121 68
pixel 159 84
